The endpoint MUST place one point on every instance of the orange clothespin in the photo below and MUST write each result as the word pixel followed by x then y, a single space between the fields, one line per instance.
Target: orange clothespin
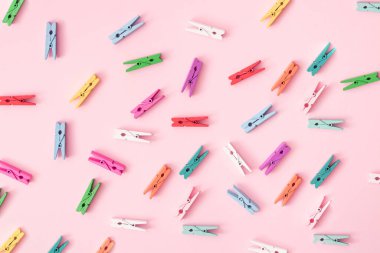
pixel 285 78
pixel 289 189
pixel 106 246
pixel 157 181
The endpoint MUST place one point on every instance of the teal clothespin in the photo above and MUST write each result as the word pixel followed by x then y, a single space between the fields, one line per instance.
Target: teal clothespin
pixel 325 124
pixel 88 197
pixel 12 11
pixel 57 248
pixel 194 162
pixel 331 239
pixel 321 60
pixel 368 6
pixel 143 62
pixel 199 230
pixel 2 198
pixel 361 80
pixel 325 171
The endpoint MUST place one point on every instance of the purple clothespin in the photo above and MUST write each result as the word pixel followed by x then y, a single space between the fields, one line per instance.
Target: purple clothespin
pixel 147 104
pixel 272 161
pixel 15 173
pixel 192 77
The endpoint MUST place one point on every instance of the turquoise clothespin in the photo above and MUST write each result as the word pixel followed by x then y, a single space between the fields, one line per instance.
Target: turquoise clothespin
pixel 324 172
pixel 195 160
pixel 2 198
pixel 199 230
pixel 368 6
pixel 361 80
pixel 325 124
pixel 12 11
pixel 143 62
pixel 331 239
pixel 321 60
pixel 57 248
pixel 88 197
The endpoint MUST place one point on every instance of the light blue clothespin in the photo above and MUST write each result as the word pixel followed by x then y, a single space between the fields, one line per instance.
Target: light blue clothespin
pixel 325 124
pixel 127 29
pixel 199 230
pixel 331 239
pixel 321 60
pixel 324 172
pixel 57 248
pixel 60 139
pixel 368 6
pixel 257 119
pixel 243 200
pixel 51 39
pixel 195 160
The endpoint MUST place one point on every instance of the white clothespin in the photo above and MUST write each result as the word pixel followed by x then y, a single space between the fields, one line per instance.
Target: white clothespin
pixel 236 158
pixel 130 135
pixel 314 218
pixel 374 178
pixel 265 248
pixel 205 30
pixel 128 224
pixel 184 208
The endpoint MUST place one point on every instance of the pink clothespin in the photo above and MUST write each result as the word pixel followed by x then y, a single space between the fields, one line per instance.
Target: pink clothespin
pixel 314 218
pixel 192 77
pixel 192 196
pixel 107 163
pixel 147 104
pixel 311 100
pixel 272 161
pixel 15 173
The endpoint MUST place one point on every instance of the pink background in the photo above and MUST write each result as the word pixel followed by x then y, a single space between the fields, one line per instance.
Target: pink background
pixel 45 209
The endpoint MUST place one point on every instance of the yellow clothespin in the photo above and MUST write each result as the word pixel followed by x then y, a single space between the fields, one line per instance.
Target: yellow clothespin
pixel 86 90
pixel 9 245
pixel 275 11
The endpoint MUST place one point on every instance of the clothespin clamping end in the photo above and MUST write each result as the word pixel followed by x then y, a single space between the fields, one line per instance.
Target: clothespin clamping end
pixel 15 173
pixel 128 224
pixel 88 197
pixel 260 247
pixel 12 12
pixel 51 39
pixel 86 89
pixel 193 163
pixel 245 73
pixel 275 11
pixel 368 6
pixel 58 246
pixel 131 135
pixel 192 76
pixel 325 124
pixel 243 200
pixel 361 80
pixel 16 100
pixel 325 171
pixel 143 62
pixel 190 199
pixel 107 163
pixel 199 230
pixel 236 159
pixel 126 30
pixel 12 241
pixel 373 178
pixel 257 119
pixel 106 246
pixel 205 30
pixel 273 160
pixel 189 121
pixel 148 103
pixel 316 216
pixel 285 78
pixel 289 190
pixel 321 60
pixel 331 239
pixel 60 139
pixel 2 197
pixel 158 180
pixel 311 100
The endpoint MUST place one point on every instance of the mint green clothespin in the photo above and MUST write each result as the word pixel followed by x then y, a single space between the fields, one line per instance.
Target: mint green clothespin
pixel 88 197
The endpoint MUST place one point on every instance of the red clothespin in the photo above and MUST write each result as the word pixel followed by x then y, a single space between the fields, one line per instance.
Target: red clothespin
pixel 245 73
pixel 189 122
pixel 16 100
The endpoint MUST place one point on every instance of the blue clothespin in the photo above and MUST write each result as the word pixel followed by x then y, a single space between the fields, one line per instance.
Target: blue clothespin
pixel 127 29
pixel 195 160
pixel 321 60
pixel 51 39
pixel 368 6
pixel 324 172
pixel 325 124
pixel 331 239
pixel 257 119
pixel 57 248
pixel 60 139
pixel 199 230
pixel 243 200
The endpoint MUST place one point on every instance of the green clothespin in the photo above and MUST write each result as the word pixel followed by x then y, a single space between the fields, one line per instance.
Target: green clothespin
pixel 194 162
pixel 88 197
pixel 143 62
pixel 12 11
pixel 361 80
pixel 2 198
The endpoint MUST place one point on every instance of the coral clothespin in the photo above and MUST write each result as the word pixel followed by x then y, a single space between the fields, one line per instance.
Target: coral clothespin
pixel 58 247
pixel 86 89
pixel 2 197
pixel 316 216
pixel 16 100
pixel 285 78
pixel 60 139
pixel 12 241
pixel 361 80
pixel 15 173
pixel 289 190
pixel 192 195
pixel 143 62
pixel 88 197
pixel 12 12
pixel 272 161
pixel 51 39
pixel 126 30
pixel 321 60
pixel 189 121
pixel 324 172
pixel 245 73
pixel 193 163
pixel 106 246
pixel 157 181
pixel 275 11
pixel 192 76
